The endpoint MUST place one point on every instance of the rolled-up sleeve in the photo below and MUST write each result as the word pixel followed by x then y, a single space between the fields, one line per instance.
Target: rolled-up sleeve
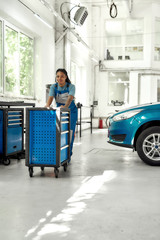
pixel 72 90
pixel 52 91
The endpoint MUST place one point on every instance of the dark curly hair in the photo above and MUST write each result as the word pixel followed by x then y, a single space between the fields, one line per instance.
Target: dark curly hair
pixel 65 72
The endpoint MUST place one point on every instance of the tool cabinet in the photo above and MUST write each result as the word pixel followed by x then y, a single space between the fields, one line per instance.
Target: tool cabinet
pixel 47 138
pixel 11 133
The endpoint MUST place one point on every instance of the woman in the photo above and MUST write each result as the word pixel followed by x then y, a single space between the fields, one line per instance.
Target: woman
pixel 63 92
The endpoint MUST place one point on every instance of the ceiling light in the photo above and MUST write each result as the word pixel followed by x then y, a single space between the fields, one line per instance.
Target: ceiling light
pixel 81 15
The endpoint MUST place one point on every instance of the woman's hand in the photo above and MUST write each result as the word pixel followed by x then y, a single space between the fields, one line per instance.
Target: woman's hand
pixel 50 99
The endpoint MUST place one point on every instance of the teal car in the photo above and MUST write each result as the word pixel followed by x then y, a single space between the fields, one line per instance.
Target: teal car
pixel 138 128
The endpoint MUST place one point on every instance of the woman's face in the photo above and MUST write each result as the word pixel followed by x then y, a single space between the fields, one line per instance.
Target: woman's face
pixel 61 78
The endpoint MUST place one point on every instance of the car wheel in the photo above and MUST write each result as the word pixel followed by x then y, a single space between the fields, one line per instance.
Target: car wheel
pixel 148 146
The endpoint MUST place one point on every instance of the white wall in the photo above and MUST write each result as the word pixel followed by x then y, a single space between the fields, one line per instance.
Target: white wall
pixel 50 57
pixel 141 9
pixel 18 15
pixel 133 93
pixel 148 88
pixel 81 56
pixel 78 53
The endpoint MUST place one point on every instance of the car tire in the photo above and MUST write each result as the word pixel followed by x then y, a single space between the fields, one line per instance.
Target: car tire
pixel 148 146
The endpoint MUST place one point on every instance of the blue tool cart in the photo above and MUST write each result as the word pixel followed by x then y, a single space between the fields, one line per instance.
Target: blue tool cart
pixel 11 133
pixel 47 138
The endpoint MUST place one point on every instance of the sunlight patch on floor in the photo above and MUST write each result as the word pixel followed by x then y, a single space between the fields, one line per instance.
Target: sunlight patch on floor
pixel 75 205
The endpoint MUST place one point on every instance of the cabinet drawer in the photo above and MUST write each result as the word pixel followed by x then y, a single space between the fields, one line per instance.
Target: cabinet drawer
pixel 64 139
pixel 1 116
pixel 14 139
pixel 15 118
pixel 1 140
pixel 64 126
pixel 64 154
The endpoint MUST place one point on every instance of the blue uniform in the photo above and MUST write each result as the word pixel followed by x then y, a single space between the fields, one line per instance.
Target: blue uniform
pixel 61 94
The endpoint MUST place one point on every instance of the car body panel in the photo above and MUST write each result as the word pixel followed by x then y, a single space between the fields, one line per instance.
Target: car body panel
pixel 149 113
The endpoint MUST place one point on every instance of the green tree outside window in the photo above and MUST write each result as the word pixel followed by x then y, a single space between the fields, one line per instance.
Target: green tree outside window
pixel 26 65
pixel 18 63
pixel 11 60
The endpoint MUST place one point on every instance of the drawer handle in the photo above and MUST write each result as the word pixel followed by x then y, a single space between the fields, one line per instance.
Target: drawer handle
pixel 15 120
pixel 14 124
pixel 64 147
pixel 14 146
pixel 64 117
pixel 19 115
pixel 64 132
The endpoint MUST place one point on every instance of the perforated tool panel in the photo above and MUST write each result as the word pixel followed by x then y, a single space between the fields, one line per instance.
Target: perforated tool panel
pixel 42 141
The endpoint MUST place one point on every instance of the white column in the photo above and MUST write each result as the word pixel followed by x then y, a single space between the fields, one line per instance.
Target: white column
pixel 133 92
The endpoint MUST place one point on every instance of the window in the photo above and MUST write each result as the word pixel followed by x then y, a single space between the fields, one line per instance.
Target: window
pixel 76 80
pixel 157 40
pixel 73 72
pixel 26 65
pixel 118 88
pixel 11 60
pixel 18 63
pixel 134 39
pixel 114 40
pixel 124 39
pixel 79 82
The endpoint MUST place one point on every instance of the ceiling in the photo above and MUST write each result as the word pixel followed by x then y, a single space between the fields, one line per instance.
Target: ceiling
pixel 118 2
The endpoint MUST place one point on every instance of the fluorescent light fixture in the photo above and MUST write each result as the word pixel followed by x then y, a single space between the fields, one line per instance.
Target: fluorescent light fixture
pixel 80 15
pixel 95 60
pixel 43 21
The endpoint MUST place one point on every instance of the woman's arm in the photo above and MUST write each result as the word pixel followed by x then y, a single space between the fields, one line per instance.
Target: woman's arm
pixel 68 102
pixel 50 99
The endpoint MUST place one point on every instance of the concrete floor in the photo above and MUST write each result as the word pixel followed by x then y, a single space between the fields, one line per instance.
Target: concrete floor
pixel 107 193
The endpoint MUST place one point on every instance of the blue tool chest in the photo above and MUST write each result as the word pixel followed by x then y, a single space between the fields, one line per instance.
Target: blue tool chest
pixel 1 132
pixel 47 138
pixel 11 133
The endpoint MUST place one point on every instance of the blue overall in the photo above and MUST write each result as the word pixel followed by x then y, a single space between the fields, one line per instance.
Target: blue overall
pixel 59 97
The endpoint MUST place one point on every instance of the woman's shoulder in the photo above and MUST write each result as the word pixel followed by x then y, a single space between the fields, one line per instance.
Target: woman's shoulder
pixel 71 85
pixel 53 85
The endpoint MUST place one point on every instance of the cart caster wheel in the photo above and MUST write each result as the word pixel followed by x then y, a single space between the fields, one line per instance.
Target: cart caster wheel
pixel 65 167
pixel 42 168
pixel 30 172
pixel 6 161
pixel 18 158
pixel 56 171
